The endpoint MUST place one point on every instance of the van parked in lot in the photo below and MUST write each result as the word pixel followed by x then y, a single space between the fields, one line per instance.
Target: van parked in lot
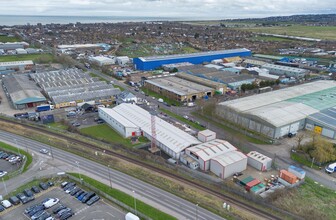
pixel 6 204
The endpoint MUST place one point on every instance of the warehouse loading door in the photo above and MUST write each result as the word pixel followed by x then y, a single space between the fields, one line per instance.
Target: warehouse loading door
pixel 294 127
pixel 284 131
pixel 328 133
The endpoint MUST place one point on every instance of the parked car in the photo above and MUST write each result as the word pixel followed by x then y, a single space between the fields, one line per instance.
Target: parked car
pixel 74 191
pixel 71 184
pixel 100 121
pixel 59 208
pixel 81 196
pixel 37 215
pixel 88 196
pixel 14 200
pixel 43 186
pixel 93 200
pixel 2 208
pixel 64 184
pixel 69 189
pixel 6 204
pixel 28 192
pixel 30 208
pixel 76 124
pixel 36 210
pixel 35 189
pixel 51 202
pixel 66 215
pixel 63 211
pixel 79 193
pixel 44 151
pixel 50 184
pixel 44 216
pixel 2 173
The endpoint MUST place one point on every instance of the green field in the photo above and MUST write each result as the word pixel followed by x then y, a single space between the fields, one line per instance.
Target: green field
pixel 58 125
pixel 270 38
pixel 141 207
pixel 5 39
pixel 158 96
pixel 38 58
pixel 186 121
pixel 327 32
pixel 310 200
pixel 104 132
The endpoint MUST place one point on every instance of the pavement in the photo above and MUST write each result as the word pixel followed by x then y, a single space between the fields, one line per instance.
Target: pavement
pixel 64 162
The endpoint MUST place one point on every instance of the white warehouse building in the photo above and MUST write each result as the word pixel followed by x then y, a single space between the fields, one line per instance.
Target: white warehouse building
pixel 259 161
pixel 204 152
pixel 128 118
pixel 103 61
pixel 228 164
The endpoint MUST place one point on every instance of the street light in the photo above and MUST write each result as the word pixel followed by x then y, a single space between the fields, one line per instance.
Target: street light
pixel 17 146
pixel 109 173
pixel 80 177
pixel 51 153
pixel 134 202
pixel 5 186
pixel 196 212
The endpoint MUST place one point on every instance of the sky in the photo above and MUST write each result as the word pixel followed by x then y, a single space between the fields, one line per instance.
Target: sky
pixel 212 9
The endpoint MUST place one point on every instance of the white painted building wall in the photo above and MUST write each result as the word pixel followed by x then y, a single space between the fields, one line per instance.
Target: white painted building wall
pixel 228 164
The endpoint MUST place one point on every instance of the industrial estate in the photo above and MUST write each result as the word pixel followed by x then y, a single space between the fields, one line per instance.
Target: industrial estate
pixel 192 129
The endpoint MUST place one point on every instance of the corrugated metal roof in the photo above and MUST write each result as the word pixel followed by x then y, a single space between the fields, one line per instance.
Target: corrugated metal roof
pixel 119 117
pixel 169 135
pixel 211 149
pixel 258 156
pixel 229 158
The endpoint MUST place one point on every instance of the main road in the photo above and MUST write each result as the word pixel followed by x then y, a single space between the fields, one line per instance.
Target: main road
pixel 152 195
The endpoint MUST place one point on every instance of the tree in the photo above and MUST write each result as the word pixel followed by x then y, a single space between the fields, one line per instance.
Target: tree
pixel 324 150
pixel 299 138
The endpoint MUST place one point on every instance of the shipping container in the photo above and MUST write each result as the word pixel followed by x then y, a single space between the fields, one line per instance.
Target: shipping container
pixel 300 173
pixel 288 176
pixel 257 189
pixel 246 180
pixel 251 184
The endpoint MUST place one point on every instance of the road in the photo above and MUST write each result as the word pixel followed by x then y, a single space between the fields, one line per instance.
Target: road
pixel 65 161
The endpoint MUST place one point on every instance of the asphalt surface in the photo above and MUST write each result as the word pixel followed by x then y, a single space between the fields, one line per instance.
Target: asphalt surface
pixel 154 196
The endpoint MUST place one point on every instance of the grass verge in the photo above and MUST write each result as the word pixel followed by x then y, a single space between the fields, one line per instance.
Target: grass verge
pixel 58 125
pixel 104 132
pixel 99 77
pixel 126 199
pixel 180 118
pixel 38 58
pixel 7 147
pixel 116 86
pixel 158 96
pixel 302 160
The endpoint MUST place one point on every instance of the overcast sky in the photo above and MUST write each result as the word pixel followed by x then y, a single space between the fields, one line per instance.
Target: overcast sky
pixel 167 8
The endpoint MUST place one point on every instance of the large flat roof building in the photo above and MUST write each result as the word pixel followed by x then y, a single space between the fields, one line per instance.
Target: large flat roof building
pixel 178 89
pixel 150 63
pixel 22 92
pixel 277 113
pixel 17 65
pixel 285 70
pixel 169 138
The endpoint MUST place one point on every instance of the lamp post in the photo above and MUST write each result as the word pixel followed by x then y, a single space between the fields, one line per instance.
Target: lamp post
pixel 134 202
pixel 17 146
pixel 4 185
pixel 109 173
pixel 79 175
pixel 196 212
pixel 51 153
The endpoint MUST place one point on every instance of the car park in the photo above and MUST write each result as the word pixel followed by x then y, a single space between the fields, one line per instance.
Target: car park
pixel 81 196
pixel 88 196
pixel 37 215
pixel 69 189
pixel 50 218
pixel 93 200
pixel 63 211
pixel 79 193
pixel 6 204
pixel 59 208
pixel 2 208
pixel 51 202
pixel 69 185
pixel 44 151
pixel 64 184
pixel 44 216
pixel 74 191
pixel 30 208
pixel 43 186
pixel 36 210
pixel 28 192
pixel 50 184
pixel 35 189
pixel 2 173
pixel 66 215
pixel 14 200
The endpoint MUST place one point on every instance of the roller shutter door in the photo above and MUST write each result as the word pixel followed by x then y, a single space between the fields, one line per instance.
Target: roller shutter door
pixel 294 127
pixel 284 131
pixel 328 133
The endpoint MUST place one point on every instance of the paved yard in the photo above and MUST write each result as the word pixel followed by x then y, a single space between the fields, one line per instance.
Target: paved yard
pixel 101 210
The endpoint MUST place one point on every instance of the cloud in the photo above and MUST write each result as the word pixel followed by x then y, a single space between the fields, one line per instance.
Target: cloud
pixel 215 9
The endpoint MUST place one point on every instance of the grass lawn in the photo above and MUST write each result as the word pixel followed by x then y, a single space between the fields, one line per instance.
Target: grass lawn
pixel 310 200
pixel 142 207
pixel 158 96
pixel 38 58
pixel 326 32
pixel 106 133
pixel 272 39
pixel 6 147
pixel 58 125
pixel 180 118
pixel 5 39
pixel 116 86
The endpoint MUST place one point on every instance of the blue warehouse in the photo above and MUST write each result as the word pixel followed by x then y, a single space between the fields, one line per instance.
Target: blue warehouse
pixel 151 63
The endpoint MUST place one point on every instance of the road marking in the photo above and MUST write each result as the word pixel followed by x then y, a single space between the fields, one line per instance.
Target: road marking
pixel 110 214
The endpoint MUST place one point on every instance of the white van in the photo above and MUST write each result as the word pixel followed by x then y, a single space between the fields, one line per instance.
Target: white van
pixel 51 202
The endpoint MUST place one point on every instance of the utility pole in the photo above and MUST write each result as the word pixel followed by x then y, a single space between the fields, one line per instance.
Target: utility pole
pixel 134 202
pixel 79 175
pixel 196 212
pixel 109 172
pixel 5 186
pixel 51 153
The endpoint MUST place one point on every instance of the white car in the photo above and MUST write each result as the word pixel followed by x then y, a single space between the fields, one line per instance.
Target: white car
pixel 51 202
pixel 6 204
pixel 2 173
pixel 44 151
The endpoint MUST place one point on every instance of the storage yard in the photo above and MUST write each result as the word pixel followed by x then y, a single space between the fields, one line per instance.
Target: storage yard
pixel 278 113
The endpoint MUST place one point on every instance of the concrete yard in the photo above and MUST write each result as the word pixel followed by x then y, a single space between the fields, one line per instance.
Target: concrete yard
pixel 100 210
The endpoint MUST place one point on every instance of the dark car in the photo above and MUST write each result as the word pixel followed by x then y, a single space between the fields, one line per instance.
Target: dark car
pixel 2 208
pixel 88 196
pixel 74 191
pixel 93 200
pixel 63 211
pixel 35 189
pixel 69 185
pixel 59 208
pixel 82 196
pixel 36 210
pixel 79 193
pixel 14 200
pixel 66 215
pixel 4 156
pixel 30 208
pixel 44 216
pixel 28 192
pixel 21 196
pixel 50 184
pixel 43 186
pixel 64 184
pixel 100 121
pixel 37 215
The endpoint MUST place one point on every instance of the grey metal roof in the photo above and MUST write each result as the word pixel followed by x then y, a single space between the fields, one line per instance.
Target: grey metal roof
pixel 327 117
